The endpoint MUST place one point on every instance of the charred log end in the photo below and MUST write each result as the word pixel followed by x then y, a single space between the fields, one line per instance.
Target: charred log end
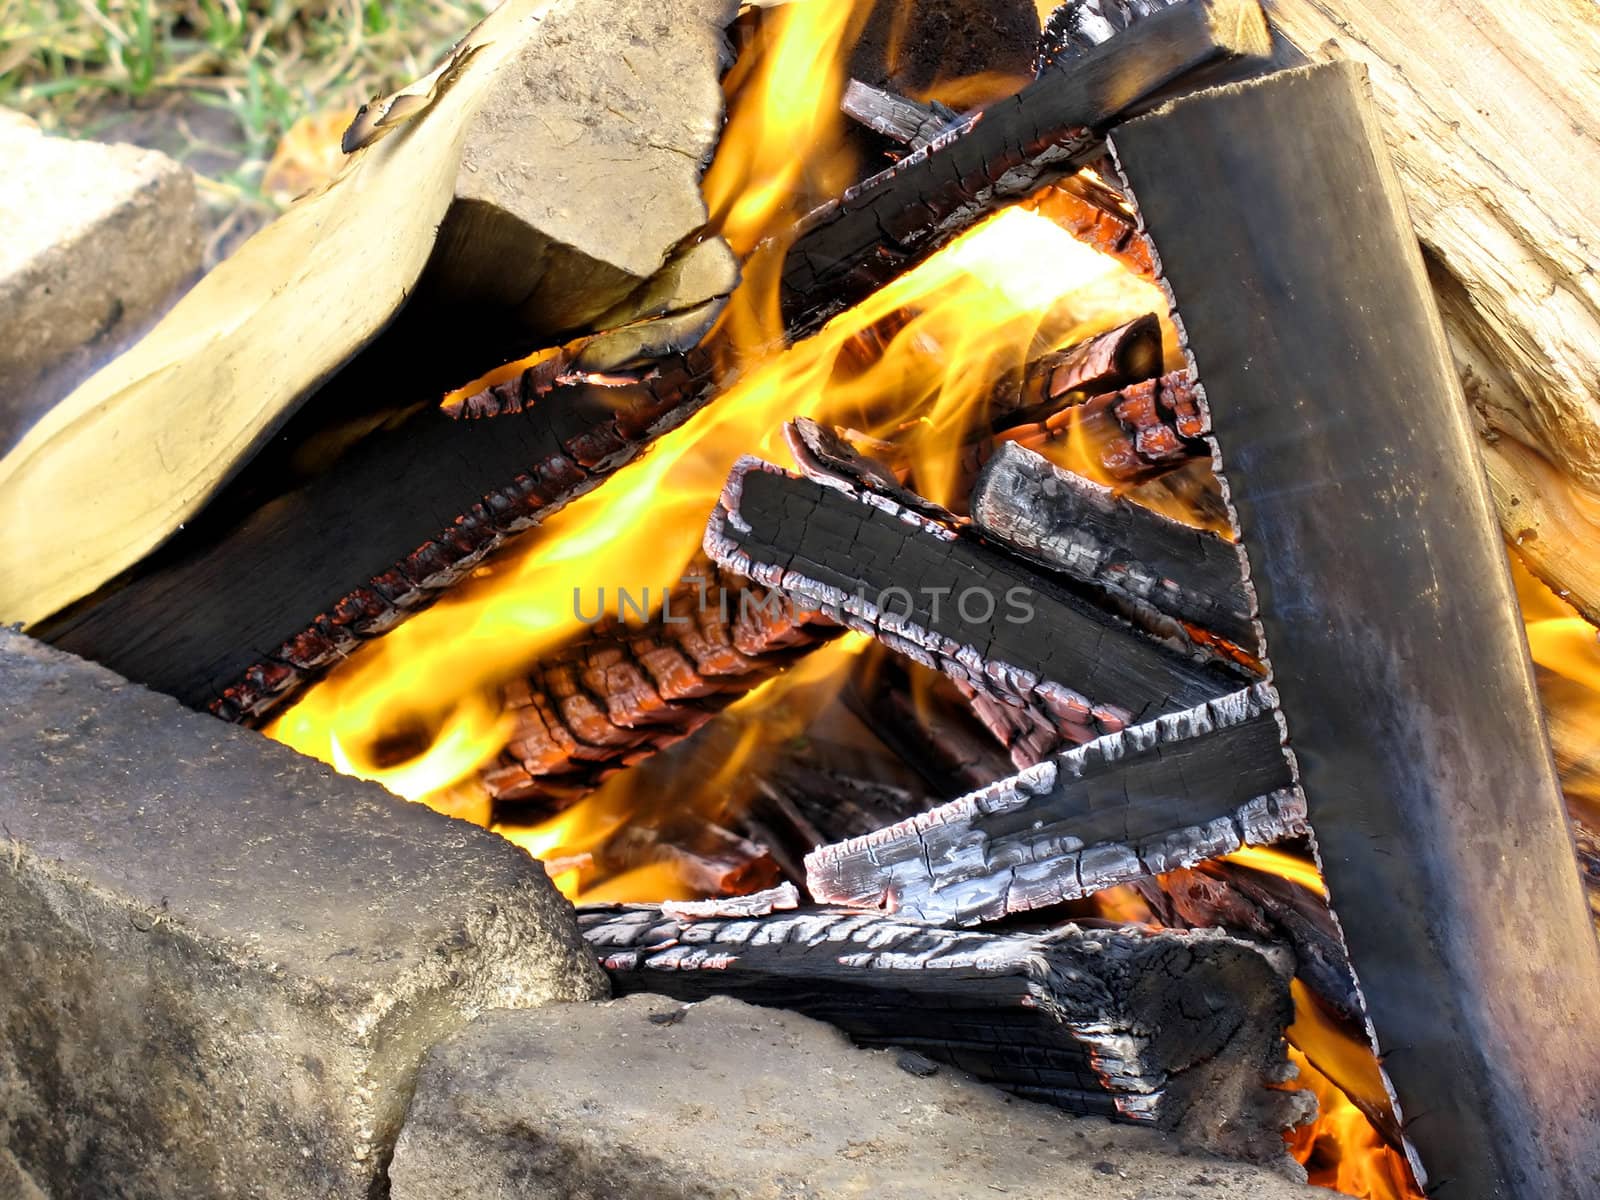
pixel 1217 1018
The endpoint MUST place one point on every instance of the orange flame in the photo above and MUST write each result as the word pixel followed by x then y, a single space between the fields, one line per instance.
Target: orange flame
pixel 1566 649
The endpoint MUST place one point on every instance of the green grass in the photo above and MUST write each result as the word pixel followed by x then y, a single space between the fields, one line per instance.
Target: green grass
pixel 82 66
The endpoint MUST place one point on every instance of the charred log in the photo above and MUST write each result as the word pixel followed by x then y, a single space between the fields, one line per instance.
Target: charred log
pixel 1147 1027
pixel 949 602
pixel 1152 798
pixel 1069 523
pixel 316 525
pixel 887 224
pixel 704 856
pixel 1128 354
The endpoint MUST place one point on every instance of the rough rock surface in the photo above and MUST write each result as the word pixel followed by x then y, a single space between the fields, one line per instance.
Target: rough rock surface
pixel 647 1099
pixel 97 239
pixel 223 962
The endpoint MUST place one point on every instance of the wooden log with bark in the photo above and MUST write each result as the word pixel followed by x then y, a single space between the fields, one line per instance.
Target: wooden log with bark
pixel 1150 1027
pixel 1064 521
pixel 950 602
pixel 1181 789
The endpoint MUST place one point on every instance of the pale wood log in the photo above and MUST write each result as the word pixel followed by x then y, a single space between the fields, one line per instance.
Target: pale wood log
pixel 464 208
pixel 1489 112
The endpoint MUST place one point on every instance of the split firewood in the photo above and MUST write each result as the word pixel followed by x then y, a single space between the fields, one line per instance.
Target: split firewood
pixel 1162 1028
pixel 624 691
pixel 901 120
pixel 1477 108
pixel 453 243
pixel 1176 791
pixel 1416 755
pixel 205 612
pixel 950 602
pixel 1064 521
pixel 1226 895
pixel 885 225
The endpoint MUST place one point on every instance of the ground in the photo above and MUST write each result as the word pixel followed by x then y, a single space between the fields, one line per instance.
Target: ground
pixel 250 94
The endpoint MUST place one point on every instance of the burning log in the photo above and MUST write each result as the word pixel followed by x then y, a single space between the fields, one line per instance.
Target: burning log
pixel 926 591
pixel 929 724
pixel 1372 574
pixel 884 226
pixel 1226 895
pixel 316 509
pixel 703 856
pixel 1078 26
pixel 1183 788
pixel 1132 435
pixel 623 692
pixel 1128 354
pixel 1150 1027
pixel 1064 521
pixel 201 606
pixel 1085 207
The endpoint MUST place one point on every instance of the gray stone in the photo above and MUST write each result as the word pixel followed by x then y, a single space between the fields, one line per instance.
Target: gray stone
pixel 223 962
pixel 97 240
pixel 602 1102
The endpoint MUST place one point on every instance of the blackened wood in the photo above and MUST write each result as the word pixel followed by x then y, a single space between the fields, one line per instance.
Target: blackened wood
pixel 1389 619
pixel 315 548
pixel 908 122
pixel 1181 789
pixel 889 223
pixel 1120 1023
pixel 928 723
pixel 1086 530
pixel 623 691
pixel 1227 895
pixel 950 602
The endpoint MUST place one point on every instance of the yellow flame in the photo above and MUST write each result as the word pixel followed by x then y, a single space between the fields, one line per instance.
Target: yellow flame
pixel 1342 1149
pixel 1276 862
pixel 978 305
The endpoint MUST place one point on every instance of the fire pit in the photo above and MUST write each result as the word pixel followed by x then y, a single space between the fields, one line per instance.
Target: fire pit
pixel 977 548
